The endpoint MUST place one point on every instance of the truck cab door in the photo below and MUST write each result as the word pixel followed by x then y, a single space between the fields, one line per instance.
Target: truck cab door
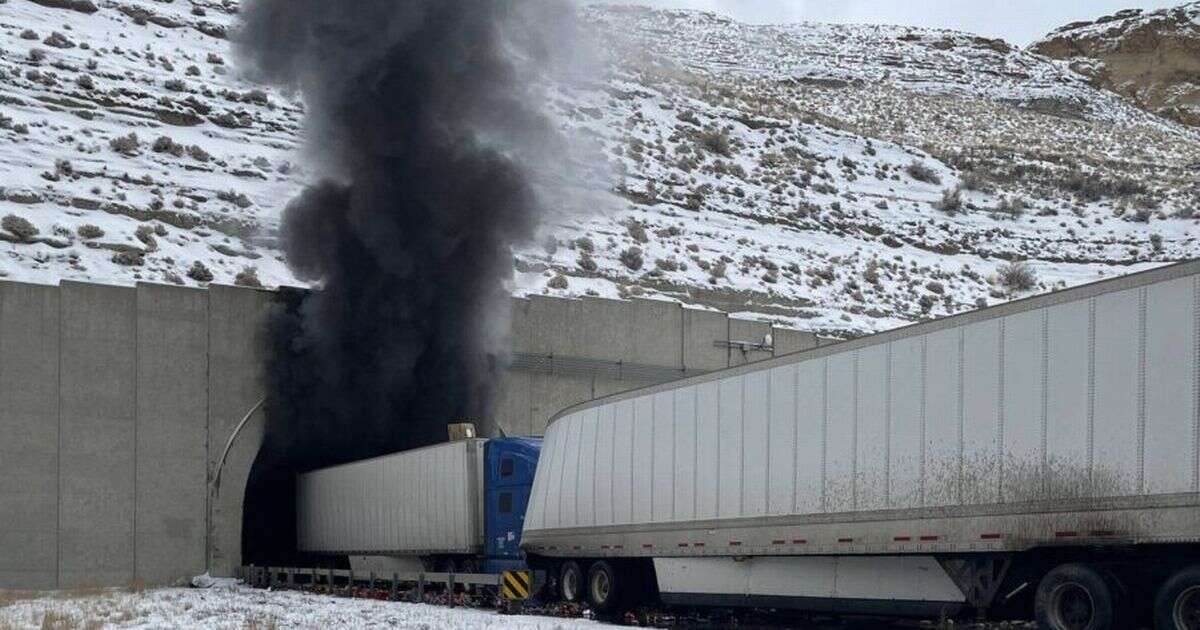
pixel 508 511
pixel 511 464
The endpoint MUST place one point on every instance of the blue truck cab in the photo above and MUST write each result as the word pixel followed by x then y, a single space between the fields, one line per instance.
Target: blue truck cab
pixel 509 465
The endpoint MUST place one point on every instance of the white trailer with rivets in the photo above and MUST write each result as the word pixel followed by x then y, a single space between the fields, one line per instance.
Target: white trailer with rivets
pixel 1042 452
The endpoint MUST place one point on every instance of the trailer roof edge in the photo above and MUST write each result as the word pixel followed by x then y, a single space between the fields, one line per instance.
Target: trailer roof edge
pixel 1086 291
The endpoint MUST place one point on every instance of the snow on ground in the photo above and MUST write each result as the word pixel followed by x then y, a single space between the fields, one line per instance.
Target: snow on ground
pixel 238 608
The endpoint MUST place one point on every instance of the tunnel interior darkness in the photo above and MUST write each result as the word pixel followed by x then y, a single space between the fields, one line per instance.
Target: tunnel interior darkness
pixel 305 429
pixel 269 507
pixel 269 518
pixel 318 416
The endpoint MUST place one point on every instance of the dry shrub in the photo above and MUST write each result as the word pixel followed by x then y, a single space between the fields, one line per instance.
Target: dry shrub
pixel 1012 208
pixel 632 258
pixel 199 154
pixel 127 145
pixel 637 232
pixel 265 623
pixel 1017 276
pixel 145 234
pixel 951 202
pixel 199 272
pixel 164 144
pixel 715 141
pixel 19 226
pixel 922 173
pixel 54 620
pixel 248 277
pixel 87 230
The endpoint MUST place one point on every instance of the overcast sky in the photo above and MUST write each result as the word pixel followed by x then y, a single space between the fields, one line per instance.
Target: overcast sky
pixel 1018 21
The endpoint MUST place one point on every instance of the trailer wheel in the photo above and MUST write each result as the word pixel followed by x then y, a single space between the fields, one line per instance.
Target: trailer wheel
pixel 570 582
pixel 603 587
pixel 1074 597
pixel 1177 605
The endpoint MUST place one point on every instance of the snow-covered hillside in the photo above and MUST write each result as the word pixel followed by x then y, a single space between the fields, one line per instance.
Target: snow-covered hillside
pixel 838 178
pixel 854 178
pixel 129 150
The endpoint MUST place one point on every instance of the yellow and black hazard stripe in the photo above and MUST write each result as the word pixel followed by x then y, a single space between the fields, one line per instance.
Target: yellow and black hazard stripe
pixel 516 585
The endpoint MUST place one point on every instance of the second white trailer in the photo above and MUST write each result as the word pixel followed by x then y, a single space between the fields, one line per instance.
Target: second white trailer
pixel 937 453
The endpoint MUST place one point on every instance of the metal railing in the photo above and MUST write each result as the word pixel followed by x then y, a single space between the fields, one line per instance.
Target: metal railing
pixel 616 370
pixel 345 581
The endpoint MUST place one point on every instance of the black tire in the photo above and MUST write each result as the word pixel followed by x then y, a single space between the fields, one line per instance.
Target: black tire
pixel 571 582
pixel 1074 597
pixel 1177 604
pixel 604 588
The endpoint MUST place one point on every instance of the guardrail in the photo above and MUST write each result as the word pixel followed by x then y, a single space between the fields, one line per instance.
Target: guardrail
pixel 344 581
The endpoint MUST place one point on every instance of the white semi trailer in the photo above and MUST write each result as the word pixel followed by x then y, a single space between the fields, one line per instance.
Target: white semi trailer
pixel 1039 457
pixel 422 504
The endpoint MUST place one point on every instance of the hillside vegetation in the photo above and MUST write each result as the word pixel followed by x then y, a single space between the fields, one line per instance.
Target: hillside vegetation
pixel 844 179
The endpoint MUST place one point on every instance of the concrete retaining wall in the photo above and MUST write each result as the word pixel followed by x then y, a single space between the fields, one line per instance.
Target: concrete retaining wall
pixel 117 405
pixel 109 400
pixel 29 502
pixel 647 332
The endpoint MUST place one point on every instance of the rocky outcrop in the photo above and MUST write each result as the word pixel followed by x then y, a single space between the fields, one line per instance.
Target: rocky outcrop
pixel 1152 58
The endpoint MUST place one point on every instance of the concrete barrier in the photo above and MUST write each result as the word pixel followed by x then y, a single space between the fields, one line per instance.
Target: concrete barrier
pixel 234 387
pixel 117 405
pixel 98 438
pixel 29 358
pixel 172 434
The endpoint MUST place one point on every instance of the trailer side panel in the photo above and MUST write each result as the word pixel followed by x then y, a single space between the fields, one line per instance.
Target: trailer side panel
pixel 426 501
pixel 981 432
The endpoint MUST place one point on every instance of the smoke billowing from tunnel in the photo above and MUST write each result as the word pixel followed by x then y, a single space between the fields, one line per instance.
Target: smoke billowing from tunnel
pixel 422 132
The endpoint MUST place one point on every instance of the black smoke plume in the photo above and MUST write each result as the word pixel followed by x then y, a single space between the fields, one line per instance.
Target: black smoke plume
pixel 422 131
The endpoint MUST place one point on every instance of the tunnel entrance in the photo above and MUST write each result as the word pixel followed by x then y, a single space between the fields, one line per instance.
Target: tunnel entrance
pixel 269 517
pixel 315 418
pixel 269 506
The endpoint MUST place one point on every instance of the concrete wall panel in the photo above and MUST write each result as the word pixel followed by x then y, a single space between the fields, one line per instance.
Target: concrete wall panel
pixel 29 356
pixel 234 387
pixel 603 330
pixel 788 341
pixel 604 386
pixel 554 326
pixel 748 331
pixel 656 333
pixel 172 419
pixel 513 410
pixel 551 393
pixel 98 438
pixel 701 331
pixel 520 331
